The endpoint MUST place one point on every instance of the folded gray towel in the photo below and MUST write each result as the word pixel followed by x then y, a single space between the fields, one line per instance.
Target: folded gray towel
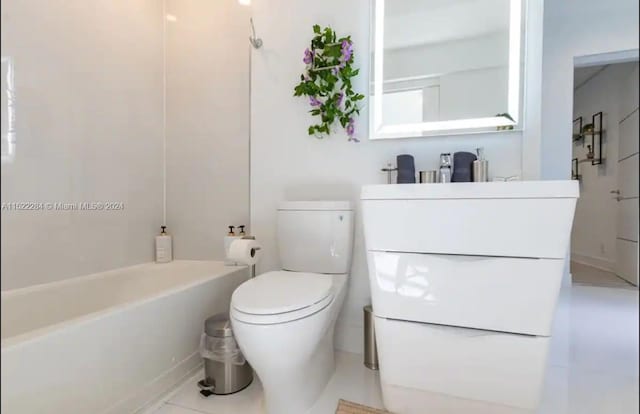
pixel 462 167
pixel 406 169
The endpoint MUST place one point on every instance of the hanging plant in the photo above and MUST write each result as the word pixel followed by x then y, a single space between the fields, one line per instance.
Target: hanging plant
pixel 327 82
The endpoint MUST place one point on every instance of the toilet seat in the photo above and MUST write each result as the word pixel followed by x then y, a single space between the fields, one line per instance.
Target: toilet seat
pixel 281 296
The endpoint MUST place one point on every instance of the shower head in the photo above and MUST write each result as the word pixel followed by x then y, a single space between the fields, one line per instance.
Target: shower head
pixel 255 41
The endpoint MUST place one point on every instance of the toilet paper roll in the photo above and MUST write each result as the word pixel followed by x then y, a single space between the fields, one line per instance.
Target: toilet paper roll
pixel 245 251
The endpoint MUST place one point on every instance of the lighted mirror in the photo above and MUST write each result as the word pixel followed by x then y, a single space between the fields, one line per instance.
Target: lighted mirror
pixel 445 67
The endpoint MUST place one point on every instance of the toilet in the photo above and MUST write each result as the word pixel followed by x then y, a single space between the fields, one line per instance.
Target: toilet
pixel 284 320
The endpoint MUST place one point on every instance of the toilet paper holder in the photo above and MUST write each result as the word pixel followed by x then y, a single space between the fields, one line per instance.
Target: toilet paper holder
pixel 253 253
pixel 253 267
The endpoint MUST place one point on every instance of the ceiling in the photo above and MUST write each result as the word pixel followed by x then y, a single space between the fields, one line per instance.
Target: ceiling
pixel 420 22
pixel 584 74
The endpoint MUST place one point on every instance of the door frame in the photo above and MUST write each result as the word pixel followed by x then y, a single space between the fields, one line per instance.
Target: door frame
pixel 597 59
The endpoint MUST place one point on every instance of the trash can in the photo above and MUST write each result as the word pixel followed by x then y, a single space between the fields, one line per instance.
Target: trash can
pixel 370 348
pixel 226 371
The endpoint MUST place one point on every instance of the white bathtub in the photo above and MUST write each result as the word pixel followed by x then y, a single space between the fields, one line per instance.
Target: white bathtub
pixel 111 342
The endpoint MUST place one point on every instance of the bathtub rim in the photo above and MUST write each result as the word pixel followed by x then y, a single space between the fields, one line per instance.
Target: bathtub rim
pixel 12 342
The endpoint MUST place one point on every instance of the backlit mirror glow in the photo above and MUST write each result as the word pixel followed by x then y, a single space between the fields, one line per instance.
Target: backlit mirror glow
pixel 445 65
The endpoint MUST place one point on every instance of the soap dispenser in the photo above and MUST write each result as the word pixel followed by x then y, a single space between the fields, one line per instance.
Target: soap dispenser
pixel 480 167
pixel 164 253
pixel 444 175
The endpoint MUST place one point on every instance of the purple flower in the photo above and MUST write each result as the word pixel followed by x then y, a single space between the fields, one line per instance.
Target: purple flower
pixel 351 130
pixel 347 50
pixel 340 98
pixel 314 101
pixel 308 56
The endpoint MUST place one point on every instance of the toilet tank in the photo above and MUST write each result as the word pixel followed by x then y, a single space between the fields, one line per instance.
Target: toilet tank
pixel 315 236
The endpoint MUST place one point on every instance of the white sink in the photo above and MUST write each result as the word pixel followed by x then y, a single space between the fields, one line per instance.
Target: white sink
pixel 465 268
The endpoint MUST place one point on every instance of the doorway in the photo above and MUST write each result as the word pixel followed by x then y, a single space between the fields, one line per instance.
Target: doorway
pixel 604 242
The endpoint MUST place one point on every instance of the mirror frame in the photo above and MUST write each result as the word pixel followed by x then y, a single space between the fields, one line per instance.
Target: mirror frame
pixel 450 127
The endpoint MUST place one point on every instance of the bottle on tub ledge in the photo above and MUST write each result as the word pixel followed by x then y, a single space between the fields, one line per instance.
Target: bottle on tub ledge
pixel 164 247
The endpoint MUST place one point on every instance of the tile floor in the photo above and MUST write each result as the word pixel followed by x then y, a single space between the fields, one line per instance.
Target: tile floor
pixel 591 276
pixel 593 365
pixel 351 381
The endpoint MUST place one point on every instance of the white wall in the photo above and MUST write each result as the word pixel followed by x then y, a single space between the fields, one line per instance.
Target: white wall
pixel 90 91
pixel 207 124
pixel 572 29
pixel 481 52
pixel 474 94
pixel 472 74
pixel 416 22
pixel 88 79
pixel 287 164
pixel 594 234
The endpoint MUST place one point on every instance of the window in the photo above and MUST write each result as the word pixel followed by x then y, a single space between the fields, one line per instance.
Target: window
pixel 404 107
pixel 8 110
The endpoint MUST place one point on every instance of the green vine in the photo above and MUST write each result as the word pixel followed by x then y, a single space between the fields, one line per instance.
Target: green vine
pixel 327 82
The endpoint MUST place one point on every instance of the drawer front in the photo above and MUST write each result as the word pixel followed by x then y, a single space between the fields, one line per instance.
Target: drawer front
pixel 494 368
pixel 536 228
pixel 493 293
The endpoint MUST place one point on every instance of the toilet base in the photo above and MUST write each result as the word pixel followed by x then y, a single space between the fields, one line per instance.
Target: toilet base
pixel 292 379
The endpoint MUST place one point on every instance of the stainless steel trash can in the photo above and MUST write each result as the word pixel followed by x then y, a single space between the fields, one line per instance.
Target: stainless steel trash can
pixel 370 348
pixel 223 377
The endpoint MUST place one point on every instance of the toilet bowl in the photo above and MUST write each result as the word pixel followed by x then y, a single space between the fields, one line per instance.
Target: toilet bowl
pixel 291 351
pixel 284 320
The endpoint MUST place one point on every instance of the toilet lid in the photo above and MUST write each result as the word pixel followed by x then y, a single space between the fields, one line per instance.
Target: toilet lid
pixel 281 292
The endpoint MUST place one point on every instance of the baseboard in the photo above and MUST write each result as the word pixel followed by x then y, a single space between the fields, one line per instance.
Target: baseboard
pixel 156 390
pixel 594 261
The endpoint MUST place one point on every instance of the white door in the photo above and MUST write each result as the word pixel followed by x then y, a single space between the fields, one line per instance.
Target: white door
pixel 627 191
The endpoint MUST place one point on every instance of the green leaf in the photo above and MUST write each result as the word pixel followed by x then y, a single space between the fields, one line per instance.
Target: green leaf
pixel 327 84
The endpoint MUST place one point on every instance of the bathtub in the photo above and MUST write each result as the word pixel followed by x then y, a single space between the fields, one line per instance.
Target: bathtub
pixel 111 342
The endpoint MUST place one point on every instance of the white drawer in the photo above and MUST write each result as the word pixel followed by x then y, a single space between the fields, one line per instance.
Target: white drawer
pixel 493 293
pixel 457 370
